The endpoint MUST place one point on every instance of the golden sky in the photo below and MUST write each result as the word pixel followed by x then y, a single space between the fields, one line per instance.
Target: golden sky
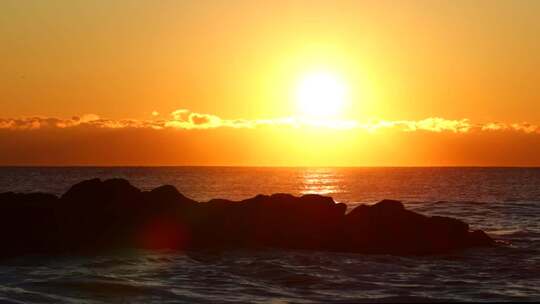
pixel 443 82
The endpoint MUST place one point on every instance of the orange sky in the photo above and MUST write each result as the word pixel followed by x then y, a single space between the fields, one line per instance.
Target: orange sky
pixel 235 66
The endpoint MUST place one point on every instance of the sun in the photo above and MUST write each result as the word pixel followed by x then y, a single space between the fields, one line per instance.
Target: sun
pixel 321 95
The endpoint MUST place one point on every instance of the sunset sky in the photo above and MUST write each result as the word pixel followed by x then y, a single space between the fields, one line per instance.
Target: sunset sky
pixel 284 83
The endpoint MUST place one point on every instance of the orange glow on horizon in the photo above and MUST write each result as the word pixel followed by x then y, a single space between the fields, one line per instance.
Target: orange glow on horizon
pixel 295 83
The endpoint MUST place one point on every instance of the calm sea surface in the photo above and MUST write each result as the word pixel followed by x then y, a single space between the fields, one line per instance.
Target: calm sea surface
pixel 504 202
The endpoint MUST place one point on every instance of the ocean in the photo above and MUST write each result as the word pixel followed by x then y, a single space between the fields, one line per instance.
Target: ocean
pixel 505 202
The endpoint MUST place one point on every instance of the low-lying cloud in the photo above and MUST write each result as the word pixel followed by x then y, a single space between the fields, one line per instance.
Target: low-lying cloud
pixel 187 120
pixel 189 138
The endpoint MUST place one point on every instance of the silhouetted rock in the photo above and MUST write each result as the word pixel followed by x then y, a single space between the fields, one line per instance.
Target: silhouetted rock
pixel 99 215
pixel 168 194
pixel 279 220
pixel 387 227
pixel 479 238
pixel 26 223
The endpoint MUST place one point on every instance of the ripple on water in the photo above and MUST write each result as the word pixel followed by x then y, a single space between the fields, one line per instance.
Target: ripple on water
pixel 504 202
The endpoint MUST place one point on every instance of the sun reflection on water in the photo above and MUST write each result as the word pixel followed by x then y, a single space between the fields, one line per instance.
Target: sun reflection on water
pixel 323 181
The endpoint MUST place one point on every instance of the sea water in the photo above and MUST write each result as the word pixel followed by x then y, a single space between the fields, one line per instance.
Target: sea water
pixel 505 202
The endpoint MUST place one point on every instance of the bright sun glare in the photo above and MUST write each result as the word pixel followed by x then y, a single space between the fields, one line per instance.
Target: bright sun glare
pixel 321 95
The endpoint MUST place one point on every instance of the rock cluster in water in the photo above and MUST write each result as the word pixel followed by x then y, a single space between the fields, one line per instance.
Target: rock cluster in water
pixel 97 215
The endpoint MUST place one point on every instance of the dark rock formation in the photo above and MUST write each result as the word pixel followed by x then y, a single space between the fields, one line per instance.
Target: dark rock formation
pixel 97 215
pixel 387 227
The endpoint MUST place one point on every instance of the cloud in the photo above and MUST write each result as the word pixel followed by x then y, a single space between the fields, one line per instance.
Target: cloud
pixel 437 124
pixel 189 138
pixel 87 120
pixel 186 120
pixel 432 124
pixel 524 127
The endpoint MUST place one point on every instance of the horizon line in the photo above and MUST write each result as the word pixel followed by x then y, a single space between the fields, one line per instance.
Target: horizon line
pixel 272 166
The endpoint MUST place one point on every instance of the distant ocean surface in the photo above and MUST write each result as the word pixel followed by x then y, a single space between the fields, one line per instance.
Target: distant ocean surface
pixel 505 202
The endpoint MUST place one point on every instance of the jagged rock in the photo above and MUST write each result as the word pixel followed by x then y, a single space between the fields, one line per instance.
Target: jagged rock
pixel 99 215
pixel 387 227
pixel 168 194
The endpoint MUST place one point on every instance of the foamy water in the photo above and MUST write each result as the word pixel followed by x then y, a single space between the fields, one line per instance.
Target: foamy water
pixel 503 202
